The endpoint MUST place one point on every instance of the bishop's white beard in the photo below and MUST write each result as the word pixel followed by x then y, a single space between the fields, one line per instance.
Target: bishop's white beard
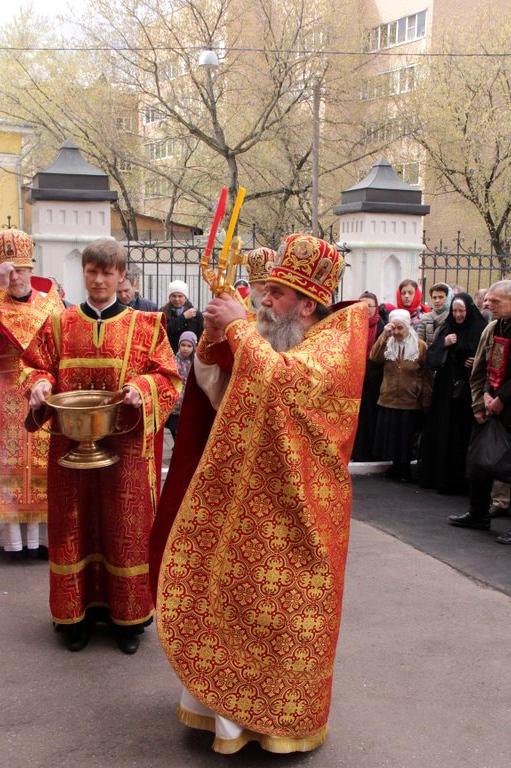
pixel 282 332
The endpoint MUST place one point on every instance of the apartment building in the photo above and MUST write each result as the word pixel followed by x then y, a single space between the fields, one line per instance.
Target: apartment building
pixel 370 97
pixel 395 32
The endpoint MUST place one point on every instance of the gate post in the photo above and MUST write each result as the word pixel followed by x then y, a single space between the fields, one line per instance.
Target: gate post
pixel 381 223
pixel 71 208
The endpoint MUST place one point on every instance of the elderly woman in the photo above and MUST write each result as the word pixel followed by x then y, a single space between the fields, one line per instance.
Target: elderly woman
pixel 445 439
pixel 405 392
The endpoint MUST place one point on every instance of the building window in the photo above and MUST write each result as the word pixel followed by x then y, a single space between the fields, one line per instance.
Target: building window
pixel 391 130
pixel 409 172
pixel 404 30
pixel 172 69
pixel 125 166
pixel 152 114
pixel 161 150
pixel 123 123
pixel 158 188
pixel 383 133
pixel 391 83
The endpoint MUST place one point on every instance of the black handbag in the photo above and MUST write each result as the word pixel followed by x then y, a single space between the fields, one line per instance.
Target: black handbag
pixel 489 450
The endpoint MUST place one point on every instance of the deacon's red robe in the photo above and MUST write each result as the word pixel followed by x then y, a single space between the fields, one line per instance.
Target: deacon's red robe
pixel 99 519
pixel 251 581
pixel 23 457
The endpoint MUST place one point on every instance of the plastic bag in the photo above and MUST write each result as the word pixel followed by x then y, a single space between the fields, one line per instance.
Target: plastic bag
pixel 489 450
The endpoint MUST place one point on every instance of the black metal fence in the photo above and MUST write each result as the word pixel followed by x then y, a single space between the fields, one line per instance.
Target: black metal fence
pixel 461 264
pixel 159 264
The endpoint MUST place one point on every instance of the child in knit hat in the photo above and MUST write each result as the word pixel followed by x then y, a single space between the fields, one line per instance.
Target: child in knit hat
pixel 180 314
pixel 184 359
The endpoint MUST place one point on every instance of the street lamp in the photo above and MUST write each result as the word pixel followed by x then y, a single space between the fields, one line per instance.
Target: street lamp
pixel 208 58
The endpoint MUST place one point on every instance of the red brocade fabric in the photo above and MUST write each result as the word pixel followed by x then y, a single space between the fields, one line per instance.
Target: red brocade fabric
pixel 251 582
pixel 197 416
pixel 99 519
pixel 23 457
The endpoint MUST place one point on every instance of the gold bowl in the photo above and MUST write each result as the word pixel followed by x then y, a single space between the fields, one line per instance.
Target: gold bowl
pixel 87 415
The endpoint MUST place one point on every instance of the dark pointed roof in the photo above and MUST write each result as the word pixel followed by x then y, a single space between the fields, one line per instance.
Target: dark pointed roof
pixel 70 161
pixel 382 191
pixel 71 177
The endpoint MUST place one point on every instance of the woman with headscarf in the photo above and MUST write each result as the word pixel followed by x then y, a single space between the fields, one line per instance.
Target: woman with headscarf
pixel 363 446
pixel 409 297
pixel 451 356
pixel 405 392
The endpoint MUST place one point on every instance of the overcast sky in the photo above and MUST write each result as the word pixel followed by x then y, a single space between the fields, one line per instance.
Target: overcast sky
pixel 9 8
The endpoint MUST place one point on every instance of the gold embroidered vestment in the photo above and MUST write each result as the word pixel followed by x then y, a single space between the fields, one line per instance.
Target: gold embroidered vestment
pixel 23 457
pixel 99 519
pixel 251 582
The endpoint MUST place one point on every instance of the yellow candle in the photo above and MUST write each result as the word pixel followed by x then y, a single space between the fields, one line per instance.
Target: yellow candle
pixel 232 225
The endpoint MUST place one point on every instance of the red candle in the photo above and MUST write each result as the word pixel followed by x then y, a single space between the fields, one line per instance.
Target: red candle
pixel 219 215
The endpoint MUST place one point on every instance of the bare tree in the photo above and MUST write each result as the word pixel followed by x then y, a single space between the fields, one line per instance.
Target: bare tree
pixel 463 108
pixel 249 118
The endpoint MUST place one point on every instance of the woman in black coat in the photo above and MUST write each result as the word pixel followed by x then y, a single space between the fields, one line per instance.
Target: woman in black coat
pixel 363 446
pixel 445 439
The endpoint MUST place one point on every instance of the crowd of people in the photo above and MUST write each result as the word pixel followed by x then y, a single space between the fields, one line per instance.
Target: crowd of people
pixel 242 555
pixel 433 374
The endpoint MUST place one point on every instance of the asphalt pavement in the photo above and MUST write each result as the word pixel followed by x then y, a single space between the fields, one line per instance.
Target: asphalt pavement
pixel 419 518
pixel 422 674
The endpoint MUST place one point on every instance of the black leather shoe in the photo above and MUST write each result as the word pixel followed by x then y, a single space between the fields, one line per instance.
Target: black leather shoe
pixel 16 556
pixel 504 538
pixel 76 636
pixel 128 640
pixel 498 511
pixel 467 520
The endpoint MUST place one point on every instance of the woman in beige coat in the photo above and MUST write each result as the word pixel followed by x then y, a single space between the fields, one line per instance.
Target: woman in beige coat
pixel 404 394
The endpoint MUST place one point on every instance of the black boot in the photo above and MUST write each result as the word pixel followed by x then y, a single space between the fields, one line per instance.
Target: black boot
pixel 76 636
pixel 128 639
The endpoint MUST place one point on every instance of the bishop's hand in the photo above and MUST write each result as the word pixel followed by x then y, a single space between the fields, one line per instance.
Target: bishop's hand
pixel 221 311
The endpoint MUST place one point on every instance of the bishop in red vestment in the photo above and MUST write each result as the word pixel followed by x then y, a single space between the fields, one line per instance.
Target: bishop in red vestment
pixel 251 578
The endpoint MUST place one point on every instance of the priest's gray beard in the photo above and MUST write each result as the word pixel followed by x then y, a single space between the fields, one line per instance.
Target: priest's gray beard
pixel 282 332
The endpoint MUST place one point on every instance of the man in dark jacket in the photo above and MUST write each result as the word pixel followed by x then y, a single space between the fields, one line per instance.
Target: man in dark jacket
pixel 180 314
pixel 127 294
pixel 490 383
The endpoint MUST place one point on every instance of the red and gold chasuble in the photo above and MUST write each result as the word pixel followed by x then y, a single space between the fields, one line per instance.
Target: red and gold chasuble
pixel 23 457
pixel 99 519
pixel 498 361
pixel 251 582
